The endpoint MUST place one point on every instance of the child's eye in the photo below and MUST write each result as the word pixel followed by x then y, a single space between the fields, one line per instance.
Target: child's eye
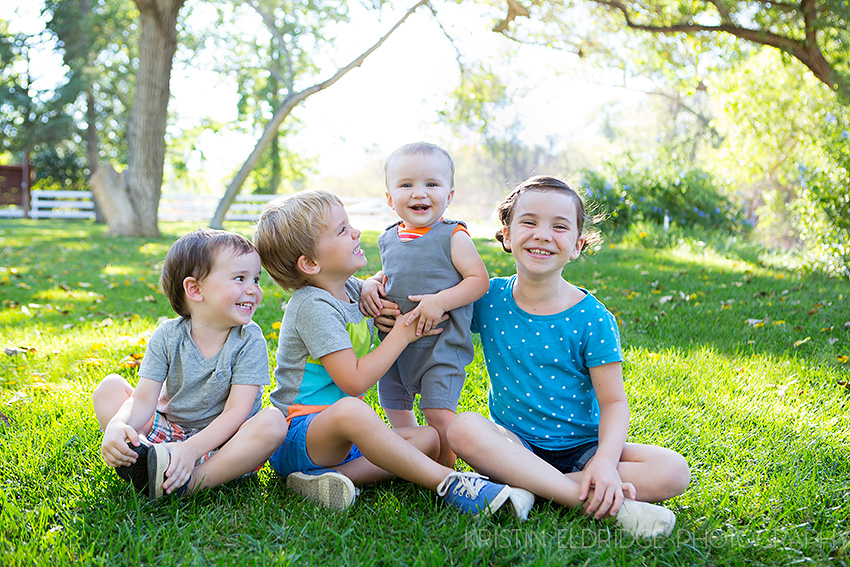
pixel 240 278
pixel 430 184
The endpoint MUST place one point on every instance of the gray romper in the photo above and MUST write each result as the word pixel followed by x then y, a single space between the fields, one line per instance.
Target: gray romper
pixel 433 367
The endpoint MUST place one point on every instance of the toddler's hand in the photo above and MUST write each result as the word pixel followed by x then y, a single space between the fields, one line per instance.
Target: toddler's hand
pixel 114 447
pixel 410 332
pixel 181 465
pixel 429 312
pixel 370 297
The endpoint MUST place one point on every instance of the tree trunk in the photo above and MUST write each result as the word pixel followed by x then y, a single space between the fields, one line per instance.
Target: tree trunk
pixel 146 129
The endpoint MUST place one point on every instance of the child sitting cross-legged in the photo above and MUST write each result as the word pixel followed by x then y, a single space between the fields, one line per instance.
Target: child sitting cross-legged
pixel 194 419
pixel 324 366
pixel 558 409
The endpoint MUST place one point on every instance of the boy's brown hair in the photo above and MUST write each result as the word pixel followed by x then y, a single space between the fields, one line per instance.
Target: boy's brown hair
pixel 290 228
pixel 194 255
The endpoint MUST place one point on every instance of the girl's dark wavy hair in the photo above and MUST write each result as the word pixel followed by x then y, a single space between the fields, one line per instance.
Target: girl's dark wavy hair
pixel 585 222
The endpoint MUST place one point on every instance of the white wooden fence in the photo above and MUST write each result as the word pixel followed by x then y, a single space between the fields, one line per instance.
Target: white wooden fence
pixel 179 207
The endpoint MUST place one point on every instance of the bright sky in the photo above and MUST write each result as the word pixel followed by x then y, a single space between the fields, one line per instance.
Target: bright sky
pixel 394 97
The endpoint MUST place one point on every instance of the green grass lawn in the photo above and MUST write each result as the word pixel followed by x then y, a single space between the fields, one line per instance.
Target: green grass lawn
pixel 731 360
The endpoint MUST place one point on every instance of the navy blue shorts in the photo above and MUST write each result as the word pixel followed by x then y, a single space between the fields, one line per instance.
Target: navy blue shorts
pixel 569 460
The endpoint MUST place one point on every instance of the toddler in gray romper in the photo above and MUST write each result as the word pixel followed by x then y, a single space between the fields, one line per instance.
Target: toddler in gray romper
pixel 433 367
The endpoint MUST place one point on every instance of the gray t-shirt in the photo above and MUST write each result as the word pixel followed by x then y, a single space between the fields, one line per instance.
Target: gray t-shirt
pixel 315 324
pixel 196 388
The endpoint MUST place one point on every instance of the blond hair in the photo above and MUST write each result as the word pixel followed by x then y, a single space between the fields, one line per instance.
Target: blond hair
pixel 290 228
pixel 420 148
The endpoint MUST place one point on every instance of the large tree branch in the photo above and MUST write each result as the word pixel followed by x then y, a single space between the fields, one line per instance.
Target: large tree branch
pixel 806 51
pixel 282 111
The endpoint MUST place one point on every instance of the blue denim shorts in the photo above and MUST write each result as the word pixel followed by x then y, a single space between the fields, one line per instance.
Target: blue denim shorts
pixel 292 456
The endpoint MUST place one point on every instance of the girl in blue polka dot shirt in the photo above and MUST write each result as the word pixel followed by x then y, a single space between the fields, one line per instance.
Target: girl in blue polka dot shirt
pixel 558 410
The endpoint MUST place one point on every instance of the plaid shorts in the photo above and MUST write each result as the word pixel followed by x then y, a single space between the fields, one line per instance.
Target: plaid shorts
pixel 164 431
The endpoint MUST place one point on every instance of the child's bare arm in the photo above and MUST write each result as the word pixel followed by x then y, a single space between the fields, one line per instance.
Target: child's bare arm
pixel 473 286
pixel 134 413
pixel 237 408
pixel 601 472
pixel 356 375
pixel 372 293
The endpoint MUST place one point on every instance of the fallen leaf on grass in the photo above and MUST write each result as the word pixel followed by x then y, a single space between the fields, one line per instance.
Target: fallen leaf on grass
pixel 801 342
pixel 843 358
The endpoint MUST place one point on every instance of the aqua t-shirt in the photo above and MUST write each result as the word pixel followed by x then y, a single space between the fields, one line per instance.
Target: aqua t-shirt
pixel 315 324
pixel 540 385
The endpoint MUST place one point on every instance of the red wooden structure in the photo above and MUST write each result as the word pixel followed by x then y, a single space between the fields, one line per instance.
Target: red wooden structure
pixel 15 181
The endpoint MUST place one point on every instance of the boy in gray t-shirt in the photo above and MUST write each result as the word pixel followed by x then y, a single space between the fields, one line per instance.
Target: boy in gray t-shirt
pixel 194 420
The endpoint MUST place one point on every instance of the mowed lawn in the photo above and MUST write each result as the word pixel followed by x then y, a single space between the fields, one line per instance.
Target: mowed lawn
pixel 732 360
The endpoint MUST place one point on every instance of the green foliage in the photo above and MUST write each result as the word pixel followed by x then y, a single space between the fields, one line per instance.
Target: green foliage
pixel 690 198
pixel 788 155
pixel 58 168
pixel 828 189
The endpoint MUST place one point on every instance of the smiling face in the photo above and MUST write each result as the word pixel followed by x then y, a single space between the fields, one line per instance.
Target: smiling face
pixel 231 291
pixel 337 254
pixel 419 187
pixel 543 234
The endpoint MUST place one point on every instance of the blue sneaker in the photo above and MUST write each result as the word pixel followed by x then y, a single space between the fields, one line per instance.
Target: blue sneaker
pixel 325 487
pixel 473 493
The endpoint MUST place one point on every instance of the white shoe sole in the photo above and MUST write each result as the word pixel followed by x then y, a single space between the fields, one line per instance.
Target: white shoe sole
pixel 158 460
pixel 329 490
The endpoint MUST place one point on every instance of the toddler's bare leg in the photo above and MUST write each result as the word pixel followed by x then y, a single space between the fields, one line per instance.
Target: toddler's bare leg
pixel 439 419
pixel 401 418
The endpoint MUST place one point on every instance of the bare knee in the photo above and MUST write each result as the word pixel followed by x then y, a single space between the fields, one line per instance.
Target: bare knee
pixel 271 425
pixel 679 474
pixel 111 387
pixel 463 432
pixel 108 396
pixel 353 413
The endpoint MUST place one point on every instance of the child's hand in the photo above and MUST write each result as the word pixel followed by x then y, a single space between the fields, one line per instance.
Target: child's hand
pixel 181 465
pixel 114 447
pixel 371 295
pixel 608 488
pixel 411 332
pixel 386 320
pixel 429 311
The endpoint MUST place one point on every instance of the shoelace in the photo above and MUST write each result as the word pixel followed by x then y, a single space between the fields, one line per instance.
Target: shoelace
pixel 468 484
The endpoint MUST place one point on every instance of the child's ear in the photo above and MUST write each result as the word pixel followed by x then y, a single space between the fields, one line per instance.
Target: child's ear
pixel 193 289
pixel 450 197
pixel 308 266
pixel 579 247
pixel 390 200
